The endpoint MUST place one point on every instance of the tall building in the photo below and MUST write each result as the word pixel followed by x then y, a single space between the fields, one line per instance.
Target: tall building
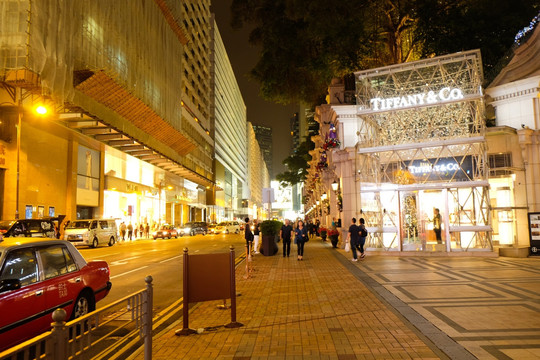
pixel 264 137
pixel 303 126
pixel 258 176
pixel 129 130
pixel 229 115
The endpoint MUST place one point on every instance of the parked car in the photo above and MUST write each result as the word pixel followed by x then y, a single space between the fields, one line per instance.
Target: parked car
pixel 28 228
pixel 227 227
pixel 166 231
pixel 38 276
pixel 212 228
pixel 91 232
pixel 194 228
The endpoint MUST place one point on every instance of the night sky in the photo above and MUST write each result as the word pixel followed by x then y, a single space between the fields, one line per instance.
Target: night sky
pixel 243 57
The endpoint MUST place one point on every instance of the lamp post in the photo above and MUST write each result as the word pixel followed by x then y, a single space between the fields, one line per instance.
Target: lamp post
pixel 19 122
pixel 41 110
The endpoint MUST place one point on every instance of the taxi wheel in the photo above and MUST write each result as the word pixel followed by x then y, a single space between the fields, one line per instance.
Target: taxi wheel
pixel 111 241
pixel 83 305
pixel 95 243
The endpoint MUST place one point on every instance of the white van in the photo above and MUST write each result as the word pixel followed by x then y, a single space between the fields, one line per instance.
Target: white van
pixel 91 232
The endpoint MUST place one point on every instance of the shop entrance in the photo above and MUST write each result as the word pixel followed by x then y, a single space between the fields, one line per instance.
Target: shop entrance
pixel 418 221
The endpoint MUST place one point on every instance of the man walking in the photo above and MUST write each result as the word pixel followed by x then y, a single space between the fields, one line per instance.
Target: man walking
pixel 248 235
pixel 285 234
pixel 354 238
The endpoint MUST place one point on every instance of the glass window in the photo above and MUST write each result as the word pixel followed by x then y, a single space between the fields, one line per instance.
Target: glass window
pixel 104 224
pixel 21 265
pixel 56 261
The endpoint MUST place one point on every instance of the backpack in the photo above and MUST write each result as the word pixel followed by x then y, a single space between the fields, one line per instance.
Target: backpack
pixel 363 231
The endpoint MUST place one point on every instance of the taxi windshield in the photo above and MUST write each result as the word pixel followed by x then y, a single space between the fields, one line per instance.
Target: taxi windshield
pixel 222 224
pixel 78 225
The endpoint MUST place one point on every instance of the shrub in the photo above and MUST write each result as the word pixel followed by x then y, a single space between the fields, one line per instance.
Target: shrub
pixel 270 227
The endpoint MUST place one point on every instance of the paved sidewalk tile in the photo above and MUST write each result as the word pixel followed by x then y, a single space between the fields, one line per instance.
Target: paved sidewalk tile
pixel 310 309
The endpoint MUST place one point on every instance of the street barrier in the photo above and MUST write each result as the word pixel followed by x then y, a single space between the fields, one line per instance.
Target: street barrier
pixel 87 337
pixel 208 277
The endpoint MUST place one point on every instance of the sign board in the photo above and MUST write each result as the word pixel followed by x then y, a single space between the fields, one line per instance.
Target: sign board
pixel 457 168
pixel 209 277
pixel 534 233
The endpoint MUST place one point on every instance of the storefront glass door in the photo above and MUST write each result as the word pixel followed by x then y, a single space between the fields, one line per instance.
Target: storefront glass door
pixel 409 221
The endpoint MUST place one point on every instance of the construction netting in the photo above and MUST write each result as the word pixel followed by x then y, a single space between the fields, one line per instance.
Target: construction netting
pixel 130 40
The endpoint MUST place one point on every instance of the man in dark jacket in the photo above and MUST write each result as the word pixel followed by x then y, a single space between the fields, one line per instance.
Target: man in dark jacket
pixel 248 235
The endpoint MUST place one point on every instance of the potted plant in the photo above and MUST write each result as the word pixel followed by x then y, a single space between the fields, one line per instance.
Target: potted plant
pixel 323 232
pixel 269 231
pixel 333 234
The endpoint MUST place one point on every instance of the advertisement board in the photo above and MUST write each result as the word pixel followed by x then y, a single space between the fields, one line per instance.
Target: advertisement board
pixel 534 233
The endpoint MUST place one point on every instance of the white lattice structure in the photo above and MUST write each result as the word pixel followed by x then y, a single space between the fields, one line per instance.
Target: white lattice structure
pixel 418 134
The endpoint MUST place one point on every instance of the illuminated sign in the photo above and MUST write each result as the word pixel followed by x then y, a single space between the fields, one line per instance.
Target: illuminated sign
pixel 431 97
pixel 455 169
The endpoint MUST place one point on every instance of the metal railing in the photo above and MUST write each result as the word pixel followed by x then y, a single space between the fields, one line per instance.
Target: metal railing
pixel 97 335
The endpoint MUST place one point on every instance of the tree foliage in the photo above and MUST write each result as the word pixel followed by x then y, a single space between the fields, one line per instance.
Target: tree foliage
pixel 296 165
pixel 305 43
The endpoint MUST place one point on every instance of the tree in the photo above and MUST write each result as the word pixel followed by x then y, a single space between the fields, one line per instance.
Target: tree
pixel 296 165
pixel 306 43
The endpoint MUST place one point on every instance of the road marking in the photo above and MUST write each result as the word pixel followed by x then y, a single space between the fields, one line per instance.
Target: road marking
pixel 164 261
pixel 123 261
pixel 128 272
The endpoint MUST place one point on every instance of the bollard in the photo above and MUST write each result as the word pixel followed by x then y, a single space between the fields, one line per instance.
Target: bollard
pixel 59 334
pixel 233 323
pixel 147 325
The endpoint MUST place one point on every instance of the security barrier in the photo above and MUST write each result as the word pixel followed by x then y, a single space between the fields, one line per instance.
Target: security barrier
pixel 96 335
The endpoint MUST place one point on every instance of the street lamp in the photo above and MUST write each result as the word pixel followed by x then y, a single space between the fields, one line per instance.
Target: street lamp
pixel 41 110
pixel 335 185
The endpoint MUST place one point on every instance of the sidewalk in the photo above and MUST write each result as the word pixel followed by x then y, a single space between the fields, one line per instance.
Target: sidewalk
pixel 327 307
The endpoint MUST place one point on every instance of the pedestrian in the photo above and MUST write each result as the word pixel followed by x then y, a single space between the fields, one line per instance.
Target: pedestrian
pixel 256 233
pixel 353 237
pixel 285 234
pixel 363 235
pixel 147 231
pixel 300 238
pixel 248 235
pixel 123 231
pixel 437 225
pixel 130 232
pixel 317 227
pixel 311 229
pixel 141 230
pixel 135 230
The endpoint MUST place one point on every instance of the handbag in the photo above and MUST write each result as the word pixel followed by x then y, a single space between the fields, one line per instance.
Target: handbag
pixel 347 247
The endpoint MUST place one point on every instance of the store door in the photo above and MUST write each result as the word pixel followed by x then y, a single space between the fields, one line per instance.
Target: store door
pixel 410 240
pixel 432 202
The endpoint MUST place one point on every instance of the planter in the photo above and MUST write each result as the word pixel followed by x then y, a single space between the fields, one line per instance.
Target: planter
pixel 334 239
pixel 269 246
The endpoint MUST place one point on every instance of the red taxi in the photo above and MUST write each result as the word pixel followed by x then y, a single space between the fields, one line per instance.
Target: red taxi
pixel 38 276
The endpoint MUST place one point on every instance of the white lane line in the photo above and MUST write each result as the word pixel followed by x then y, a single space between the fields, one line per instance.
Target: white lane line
pixel 164 261
pixel 123 261
pixel 128 272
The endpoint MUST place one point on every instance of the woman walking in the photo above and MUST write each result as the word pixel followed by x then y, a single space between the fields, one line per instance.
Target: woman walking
pixel 300 238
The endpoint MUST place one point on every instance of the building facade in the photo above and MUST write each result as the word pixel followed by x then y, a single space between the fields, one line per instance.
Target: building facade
pixel 410 157
pixel 128 133
pixel 231 149
pixel 263 134
pixel 514 149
